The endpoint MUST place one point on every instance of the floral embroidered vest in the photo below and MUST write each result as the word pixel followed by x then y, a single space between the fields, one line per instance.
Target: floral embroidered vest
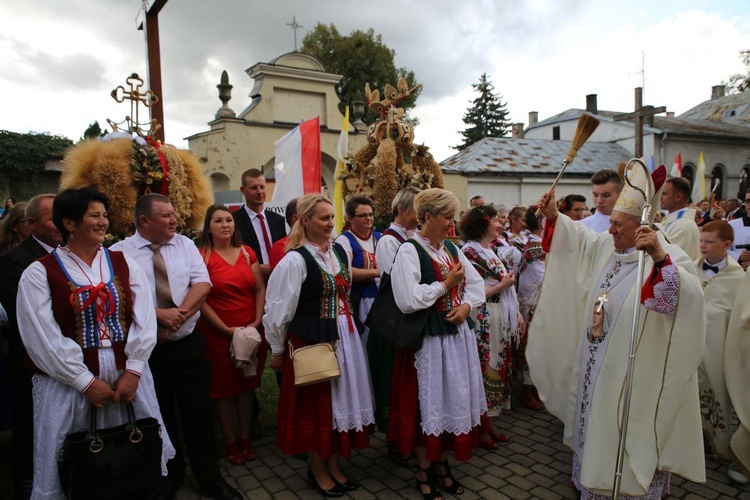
pixel 317 308
pixel 432 271
pixel 75 310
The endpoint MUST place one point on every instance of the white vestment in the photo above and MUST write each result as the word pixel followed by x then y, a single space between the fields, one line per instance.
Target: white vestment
pixel 680 229
pixel 665 426
pixel 596 221
pixel 737 374
pixel 720 291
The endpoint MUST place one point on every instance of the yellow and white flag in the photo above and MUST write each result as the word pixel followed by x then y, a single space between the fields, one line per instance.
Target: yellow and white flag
pixel 699 184
pixel 338 186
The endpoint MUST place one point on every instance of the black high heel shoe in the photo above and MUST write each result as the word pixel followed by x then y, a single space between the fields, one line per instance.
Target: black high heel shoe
pixel 334 492
pixel 455 487
pixel 430 482
pixel 346 486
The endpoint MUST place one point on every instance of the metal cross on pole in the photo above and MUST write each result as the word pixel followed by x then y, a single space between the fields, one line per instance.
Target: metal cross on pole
pixel 148 16
pixel 295 27
pixel 639 114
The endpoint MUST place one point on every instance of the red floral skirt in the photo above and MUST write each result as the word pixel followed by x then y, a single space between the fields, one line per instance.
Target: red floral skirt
pixel 404 419
pixel 305 417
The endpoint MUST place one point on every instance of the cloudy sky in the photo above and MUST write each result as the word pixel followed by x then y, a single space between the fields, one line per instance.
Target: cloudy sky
pixel 61 59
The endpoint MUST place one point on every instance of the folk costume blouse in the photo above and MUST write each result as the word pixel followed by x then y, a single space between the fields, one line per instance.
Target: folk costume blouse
pixel 294 305
pixel 449 378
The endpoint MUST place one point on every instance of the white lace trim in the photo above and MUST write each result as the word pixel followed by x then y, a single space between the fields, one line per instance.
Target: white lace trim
pixel 666 292
pixel 59 410
pixel 658 489
pixel 351 394
pixel 449 377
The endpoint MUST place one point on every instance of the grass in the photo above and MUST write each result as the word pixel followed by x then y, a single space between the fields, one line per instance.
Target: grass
pixel 268 396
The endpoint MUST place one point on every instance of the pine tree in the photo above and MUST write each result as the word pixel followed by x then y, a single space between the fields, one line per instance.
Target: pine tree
pixel 487 117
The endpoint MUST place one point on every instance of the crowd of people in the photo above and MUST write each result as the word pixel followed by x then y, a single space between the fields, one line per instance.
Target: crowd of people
pixel 534 299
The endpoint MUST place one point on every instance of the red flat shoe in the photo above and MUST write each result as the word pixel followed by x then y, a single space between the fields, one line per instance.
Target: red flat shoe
pixel 247 450
pixel 500 438
pixel 488 445
pixel 234 455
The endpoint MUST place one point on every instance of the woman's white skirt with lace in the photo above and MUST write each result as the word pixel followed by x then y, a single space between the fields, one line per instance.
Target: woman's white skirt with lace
pixel 351 394
pixel 449 378
pixel 60 410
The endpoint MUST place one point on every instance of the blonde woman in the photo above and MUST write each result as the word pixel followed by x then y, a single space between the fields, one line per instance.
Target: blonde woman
pixel 437 395
pixel 308 302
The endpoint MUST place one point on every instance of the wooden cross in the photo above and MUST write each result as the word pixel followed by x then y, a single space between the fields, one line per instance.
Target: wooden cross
pixel 149 16
pixel 295 27
pixel 600 302
pixel 639 114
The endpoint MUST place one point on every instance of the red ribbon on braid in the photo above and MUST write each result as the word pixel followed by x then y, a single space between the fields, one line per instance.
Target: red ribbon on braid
pixel 103 309
pixel 164 190
pixel 342 289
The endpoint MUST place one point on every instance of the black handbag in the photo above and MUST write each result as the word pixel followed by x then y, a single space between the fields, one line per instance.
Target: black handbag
pixel 101 463
pixel 387 320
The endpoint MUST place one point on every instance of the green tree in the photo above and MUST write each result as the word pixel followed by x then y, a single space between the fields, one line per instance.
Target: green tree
pixel 23 156
pixel 487 116
pixel 93 131
pixel 739 82
pixel 360 57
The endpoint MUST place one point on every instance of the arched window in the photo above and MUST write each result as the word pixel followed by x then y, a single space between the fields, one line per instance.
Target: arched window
pixel 688 172
pixel 717 175
pixel 744 182
pixel 219 182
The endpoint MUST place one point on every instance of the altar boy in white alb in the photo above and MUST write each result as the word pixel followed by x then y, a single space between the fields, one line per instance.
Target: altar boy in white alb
pixel 721 278
pixel 578 347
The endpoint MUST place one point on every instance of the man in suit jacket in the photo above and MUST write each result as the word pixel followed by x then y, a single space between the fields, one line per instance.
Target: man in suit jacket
pixel 735 209
pixel 259 228
pixel 43 239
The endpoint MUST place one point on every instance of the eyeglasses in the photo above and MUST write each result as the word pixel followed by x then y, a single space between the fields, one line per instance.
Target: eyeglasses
pixel 747 201
pixel 365 216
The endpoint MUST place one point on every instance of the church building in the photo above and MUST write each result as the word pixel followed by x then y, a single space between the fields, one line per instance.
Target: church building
pixel 290 89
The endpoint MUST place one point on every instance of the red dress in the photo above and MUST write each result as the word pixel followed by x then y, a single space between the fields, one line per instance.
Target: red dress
pixel 232 297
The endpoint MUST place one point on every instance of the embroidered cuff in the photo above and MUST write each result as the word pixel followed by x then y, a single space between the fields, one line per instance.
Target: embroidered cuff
pixel 135 366
pixel 83 381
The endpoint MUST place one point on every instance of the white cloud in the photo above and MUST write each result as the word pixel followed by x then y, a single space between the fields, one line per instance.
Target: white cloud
pixel 61 60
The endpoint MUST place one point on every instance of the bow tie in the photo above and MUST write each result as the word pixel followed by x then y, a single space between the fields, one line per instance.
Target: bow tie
pixel 709 267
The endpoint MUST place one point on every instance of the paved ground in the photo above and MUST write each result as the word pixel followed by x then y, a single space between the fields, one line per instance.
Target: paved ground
pixel 534 465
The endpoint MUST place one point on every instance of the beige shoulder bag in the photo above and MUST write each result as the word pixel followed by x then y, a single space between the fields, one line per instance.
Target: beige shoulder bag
pixel 314 363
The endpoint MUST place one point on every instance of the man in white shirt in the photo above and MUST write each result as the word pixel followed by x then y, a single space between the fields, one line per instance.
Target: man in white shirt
pixel 679 226
pixel 180 282
pixel 605 188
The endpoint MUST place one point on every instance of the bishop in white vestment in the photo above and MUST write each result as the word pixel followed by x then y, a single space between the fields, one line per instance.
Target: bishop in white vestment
pixel 579 343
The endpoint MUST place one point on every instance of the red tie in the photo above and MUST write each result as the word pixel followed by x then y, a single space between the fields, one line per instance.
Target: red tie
pixel 265 233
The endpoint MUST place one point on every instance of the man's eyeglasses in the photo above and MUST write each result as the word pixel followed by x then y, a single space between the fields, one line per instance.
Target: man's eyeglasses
pixel 365 216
